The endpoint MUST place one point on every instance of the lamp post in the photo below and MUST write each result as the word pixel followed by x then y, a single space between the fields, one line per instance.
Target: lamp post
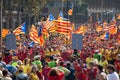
pixel 1 20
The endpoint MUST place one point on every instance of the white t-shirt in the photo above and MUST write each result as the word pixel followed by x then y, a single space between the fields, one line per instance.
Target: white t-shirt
pixel 113 76
pixel 104 75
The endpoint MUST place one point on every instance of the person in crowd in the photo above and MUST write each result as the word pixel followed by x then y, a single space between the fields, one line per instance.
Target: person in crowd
pixel 33 75
pixel 103 62
pixel 117 64
pixel 38 62
pixel 5 75
pixel 112 74
pixel 52 63
pixel 101 75
pixel 2 62
pixel 26 66
pixel 97 55
pixel 80 70
pixel 56 74
pixel 45 70
pixel 61 66
pixel 89 59
pixel 92 71
pixel 21 75
pixel 7 57
pixel 1 68
pixel 70 76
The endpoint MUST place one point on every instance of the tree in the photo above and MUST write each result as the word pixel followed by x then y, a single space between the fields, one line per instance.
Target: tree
pixel 34 6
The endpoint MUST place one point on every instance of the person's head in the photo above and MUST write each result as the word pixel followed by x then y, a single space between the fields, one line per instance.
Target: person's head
pixel 53 72
pixel 20 71
pixel 68 65
pixel 75 51
pixel 100 68
pixel 89 55
pixel 19 62
pixel 5 72
pixel 118 56
pixel 46 64
pixel 91 64
pixel 34 69
pixel 96 51
pixel 103 58
pixel 61 63
pixel 110 68
pixel 26 61
pixel 51 58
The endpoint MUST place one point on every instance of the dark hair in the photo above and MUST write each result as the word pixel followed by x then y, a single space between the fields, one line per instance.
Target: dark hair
pixel 100 68
pixel 0 58
pixel 61 63
pixel 91 63
pixel 20 71
pixel 68 65
pixel 111 67
pixel 53 72
pixel 51 58
pixel 25 61
pixel 4 72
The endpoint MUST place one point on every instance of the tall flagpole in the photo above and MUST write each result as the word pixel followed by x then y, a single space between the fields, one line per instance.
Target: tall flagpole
pixel 62 5
pixel 1 20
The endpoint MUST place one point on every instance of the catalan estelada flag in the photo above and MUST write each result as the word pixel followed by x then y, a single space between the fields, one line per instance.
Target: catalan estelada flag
pixel 20 30
pixel 49 21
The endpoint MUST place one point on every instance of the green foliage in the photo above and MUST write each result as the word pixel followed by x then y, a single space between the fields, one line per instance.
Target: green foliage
pixel 34 6
pixel 30 6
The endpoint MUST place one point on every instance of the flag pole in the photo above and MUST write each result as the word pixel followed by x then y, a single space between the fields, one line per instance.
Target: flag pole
pixel 1 20
pixel 62 5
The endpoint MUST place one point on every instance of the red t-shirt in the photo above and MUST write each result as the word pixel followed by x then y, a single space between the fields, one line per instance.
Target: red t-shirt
pixel 59 77
pixel 21 56
pixel 45 72
pixel 117 63
pixel 80 73
pixel 92 73
pixel 7 59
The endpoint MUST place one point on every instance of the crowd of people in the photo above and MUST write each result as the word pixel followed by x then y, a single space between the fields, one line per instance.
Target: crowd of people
pixel 98 59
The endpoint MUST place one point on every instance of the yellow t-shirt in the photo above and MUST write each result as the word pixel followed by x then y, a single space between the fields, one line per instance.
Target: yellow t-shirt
pixel 26 68
pixel 104 63
pixel 56 52
pixel 88 60
pixel 34 76
pixel 108 55
pixel 47 53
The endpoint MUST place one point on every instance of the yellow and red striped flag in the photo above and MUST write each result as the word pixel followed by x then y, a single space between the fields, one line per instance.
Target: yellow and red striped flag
pixel 34 34
pixel 52 28
pixel 105 24
pixel 63 27
pixel 4 32
pixel 20 30
pixel 99 28
pixel 118 16
pixel 80 30
pixel 45 32
pixel 41 40
pixel 49 22
pixel 113 31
